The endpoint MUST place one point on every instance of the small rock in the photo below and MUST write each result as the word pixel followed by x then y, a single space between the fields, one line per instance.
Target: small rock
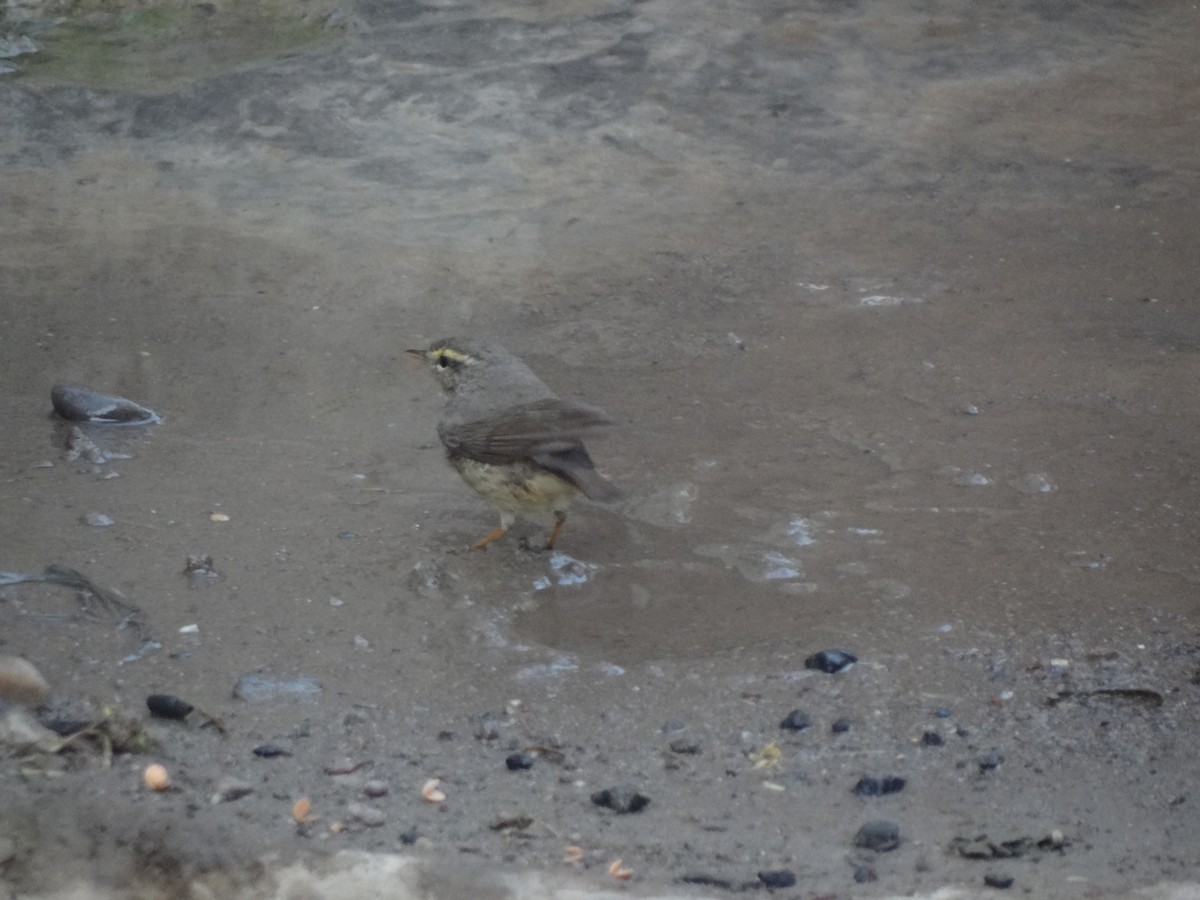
pixel 831 661
pixel 777 878
pixel 990 760
pixel 877 787
pixel 622 799
pixel 366 815
pixel 97 520
pixel 263 687
pixel 427 576
pixel 376 788
pixel 943 712
pixel 796 720
pixel 879 836
pixel 270 751
pixel 841 726
pixel 518 761
pixel 932 739
pixel 22 683
pixel 168 706
pixel 684 747
pixel 229 789
pixel 1003 882
pixel 409 837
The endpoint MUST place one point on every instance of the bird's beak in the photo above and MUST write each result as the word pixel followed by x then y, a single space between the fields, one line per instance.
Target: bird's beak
pixel 419 354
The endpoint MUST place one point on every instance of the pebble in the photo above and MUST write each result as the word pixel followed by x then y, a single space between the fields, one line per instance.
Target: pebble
pixel 841 726
pixel 880 836
pixel 366 815
pixel 932 739
pixel 990 760
pixel 684 747
pixel 518 761
pixel 621 798
pixel 877 787
pixel 97 520
pixel 168 706
pixel 777 878
pixel 264 687
pixel 831 661
pixel 230 789
pixel 22 683
pixel 375 788
pixel 1003 882
pixel 270 751
pixel 796 720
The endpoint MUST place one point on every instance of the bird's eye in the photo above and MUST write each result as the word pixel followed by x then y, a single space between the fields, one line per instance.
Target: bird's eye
pixel 443 361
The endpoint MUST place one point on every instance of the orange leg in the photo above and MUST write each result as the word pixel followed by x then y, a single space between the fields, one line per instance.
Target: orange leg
pixel 494 536
pixel 559 518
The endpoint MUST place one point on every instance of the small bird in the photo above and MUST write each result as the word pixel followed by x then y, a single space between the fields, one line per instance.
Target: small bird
pixel 510 438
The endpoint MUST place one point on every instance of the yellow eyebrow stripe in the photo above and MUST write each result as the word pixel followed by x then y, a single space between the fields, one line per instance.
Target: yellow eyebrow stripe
pixel 451 353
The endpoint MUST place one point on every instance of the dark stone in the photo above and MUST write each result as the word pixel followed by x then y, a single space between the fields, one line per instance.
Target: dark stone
pixel 990 760
pixel 270 751
pixel 168 706
pixel 841 726
pixel 684 747
pixel 942 712
pixel 796 721
pixel 1003 882
pixel 931 739
pixel 831 661
pixel 622 799
pixel 518 761
pixel 778 878
pixel 408 838
pixel 877 787
pixel 880 836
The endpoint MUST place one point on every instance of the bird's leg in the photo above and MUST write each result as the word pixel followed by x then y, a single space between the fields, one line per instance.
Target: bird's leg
pixel 559 518
pixel 506 521
pixel 493 536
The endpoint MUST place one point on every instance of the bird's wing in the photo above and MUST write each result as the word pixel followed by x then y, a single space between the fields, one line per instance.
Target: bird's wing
pixel 543 427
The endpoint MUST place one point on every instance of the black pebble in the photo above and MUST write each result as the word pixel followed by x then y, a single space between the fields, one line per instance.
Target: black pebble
pixel 1003 882
pixel 931 739
pixel 841 726
pixel 876 787
pixel 796 721
pixel 684 747
pixel 881 836
pixel 622 798
pixel 270 751
pixel 518 761
pixel 168 706
pixel 778 878
pixel 408 838
pixel 990 760
pixel 831 660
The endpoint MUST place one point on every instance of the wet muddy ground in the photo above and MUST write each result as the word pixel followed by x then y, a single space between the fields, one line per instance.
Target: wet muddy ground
pixel 894 305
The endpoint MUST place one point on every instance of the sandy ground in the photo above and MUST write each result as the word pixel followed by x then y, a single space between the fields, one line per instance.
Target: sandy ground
pixel 894 304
